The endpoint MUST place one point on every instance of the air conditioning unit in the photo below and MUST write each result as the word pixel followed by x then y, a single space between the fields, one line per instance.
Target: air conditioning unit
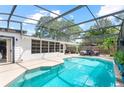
pixel 122 41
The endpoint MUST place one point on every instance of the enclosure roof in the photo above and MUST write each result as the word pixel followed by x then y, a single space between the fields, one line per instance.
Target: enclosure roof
pixel 17 14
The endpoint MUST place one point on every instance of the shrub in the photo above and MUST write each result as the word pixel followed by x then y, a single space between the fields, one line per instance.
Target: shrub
pixel 119 57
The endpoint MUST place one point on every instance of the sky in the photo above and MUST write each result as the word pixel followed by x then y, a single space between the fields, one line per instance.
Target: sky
pixel 35 13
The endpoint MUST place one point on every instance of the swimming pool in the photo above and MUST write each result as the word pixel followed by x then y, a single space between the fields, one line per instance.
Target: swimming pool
pixel 75 72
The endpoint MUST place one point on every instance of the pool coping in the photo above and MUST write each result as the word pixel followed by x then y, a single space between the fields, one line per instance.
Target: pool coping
pixel 7 85
pixel 20 70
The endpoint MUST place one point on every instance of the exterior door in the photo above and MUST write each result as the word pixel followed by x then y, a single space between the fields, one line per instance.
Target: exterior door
pixel 8 49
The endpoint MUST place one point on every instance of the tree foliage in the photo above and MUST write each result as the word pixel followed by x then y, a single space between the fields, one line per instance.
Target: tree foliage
pixel 107 43
pixel 53 29
pixel 102 23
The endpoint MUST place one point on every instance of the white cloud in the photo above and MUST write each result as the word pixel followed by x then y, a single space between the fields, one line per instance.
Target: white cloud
pixel 71 16
pixel 11 27
pixel 82 25
pixel 54 15
pixel 40 14
pixel 107 9
pixel 36 16
pixel 44 13
pixel 1 19
pixel 78 40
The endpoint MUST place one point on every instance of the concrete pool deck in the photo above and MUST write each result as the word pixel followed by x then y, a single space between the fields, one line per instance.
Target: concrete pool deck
pixel 9 72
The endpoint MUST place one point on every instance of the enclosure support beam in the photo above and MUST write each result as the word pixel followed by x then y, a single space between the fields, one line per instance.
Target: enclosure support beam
pixel 12 11
pixel 19 22
pixel 19 16
pixel 66 13
pixel 94 19
pixel 48 11
pixel 120 36
pixel 118 18
pixel 21 28
pixel 98 36
pixel 51 12
pixel 98 29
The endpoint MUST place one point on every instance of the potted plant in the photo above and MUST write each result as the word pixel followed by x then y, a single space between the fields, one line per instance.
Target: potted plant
pixel 119 60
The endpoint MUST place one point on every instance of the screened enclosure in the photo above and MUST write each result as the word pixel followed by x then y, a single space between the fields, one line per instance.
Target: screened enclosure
pixel 70 23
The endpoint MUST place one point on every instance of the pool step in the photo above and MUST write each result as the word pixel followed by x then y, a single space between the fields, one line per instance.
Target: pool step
pixel 34 74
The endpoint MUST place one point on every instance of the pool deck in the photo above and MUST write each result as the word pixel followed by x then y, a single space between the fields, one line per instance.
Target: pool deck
pixel 9 72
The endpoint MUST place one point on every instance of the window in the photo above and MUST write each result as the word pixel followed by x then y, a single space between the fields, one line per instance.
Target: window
pixel 44 46
pixel 51 47
pixel 57 47
pixel 39 46
pixel 35 46
pixel 61 48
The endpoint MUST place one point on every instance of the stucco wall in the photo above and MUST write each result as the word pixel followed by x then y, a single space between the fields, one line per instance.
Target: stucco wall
pixel 26 55
pixel 17 41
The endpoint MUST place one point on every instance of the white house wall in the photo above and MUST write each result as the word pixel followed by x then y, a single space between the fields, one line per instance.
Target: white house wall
pixel 26 52
pixel 23 48
pixel 17 43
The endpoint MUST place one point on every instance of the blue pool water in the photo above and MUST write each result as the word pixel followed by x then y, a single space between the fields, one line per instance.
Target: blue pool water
pixel 75 72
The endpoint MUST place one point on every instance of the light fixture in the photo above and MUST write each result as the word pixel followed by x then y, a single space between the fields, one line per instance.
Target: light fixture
pixel 16 39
